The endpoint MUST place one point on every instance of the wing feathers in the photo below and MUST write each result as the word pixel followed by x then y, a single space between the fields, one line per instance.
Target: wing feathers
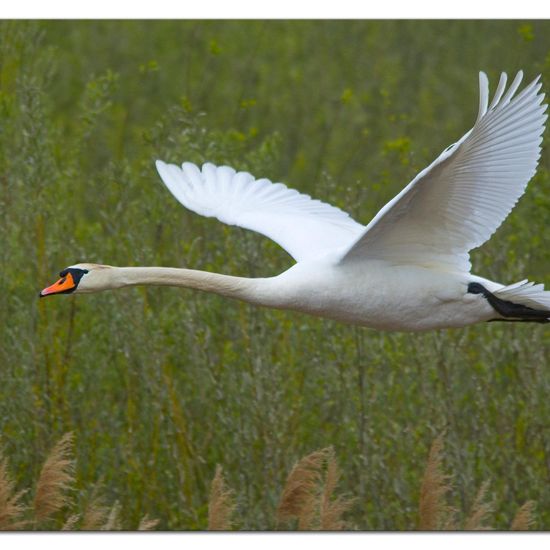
pixel 458 202
pixel 500 90
pixel 512 90
pixel 304 227
pixel 451 207
pixel 526 293
pixel 483 94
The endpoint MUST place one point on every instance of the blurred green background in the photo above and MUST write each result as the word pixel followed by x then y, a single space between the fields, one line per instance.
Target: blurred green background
pixel 159 385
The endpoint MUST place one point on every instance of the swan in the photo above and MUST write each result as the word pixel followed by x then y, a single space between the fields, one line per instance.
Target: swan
pixel 408 269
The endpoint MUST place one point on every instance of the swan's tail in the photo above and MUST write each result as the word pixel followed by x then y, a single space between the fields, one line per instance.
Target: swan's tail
pixel 523 301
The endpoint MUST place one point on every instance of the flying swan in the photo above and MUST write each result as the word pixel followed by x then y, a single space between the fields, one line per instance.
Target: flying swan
pixel 408 269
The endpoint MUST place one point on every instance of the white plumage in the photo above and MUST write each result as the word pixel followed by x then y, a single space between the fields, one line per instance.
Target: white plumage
pixel 451 207
pixel 409 268
pixel 304 227
pixel 459 201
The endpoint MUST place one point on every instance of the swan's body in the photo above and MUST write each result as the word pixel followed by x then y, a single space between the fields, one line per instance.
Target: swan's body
pixel 408 269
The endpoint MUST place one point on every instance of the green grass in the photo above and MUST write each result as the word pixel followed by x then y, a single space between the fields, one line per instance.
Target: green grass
pixel 160 385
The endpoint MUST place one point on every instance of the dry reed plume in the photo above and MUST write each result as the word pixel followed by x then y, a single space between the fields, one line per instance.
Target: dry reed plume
pixel 55 480
pixel 221 504
pixel 480 511
pixel 147 523
pixel 11 507
pixel 308 494
pixel 95 515
pixel 299 493
pixel 332 508
pixel 524 518
pixel 52 495
pixel 434 513
pixel 308 499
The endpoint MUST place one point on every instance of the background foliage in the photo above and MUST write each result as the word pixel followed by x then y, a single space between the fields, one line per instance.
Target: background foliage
pixel 160 385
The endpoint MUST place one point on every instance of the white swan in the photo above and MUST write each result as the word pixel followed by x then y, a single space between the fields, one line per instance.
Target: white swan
pixel 408 269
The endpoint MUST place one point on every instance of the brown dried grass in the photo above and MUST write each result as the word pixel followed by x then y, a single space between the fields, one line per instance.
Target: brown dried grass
pixel 308 495
pixel 11 507
pixel 221 504
pixel 481 509
pixel 113 519
pixel 55 480
pixel 95 515
pixel 54 484
pixel 333 507
pixel 299 493
pixel 308 500
pixel 71 523
pixel 524 518
pixel 434 513
pixel 147 524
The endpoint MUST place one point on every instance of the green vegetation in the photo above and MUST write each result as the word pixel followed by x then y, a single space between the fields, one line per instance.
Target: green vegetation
pixel 309 500
pixel 159 386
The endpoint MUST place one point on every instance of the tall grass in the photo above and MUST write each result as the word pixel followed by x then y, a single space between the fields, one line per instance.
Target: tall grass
pixel 53 506
pixel 221 505
pixel 308 500
pixel 159 386
pixel 434 513
pixel 308 494
pixel 56 477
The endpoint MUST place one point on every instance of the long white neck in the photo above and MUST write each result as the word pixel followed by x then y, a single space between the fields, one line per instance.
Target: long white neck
pixel 256 291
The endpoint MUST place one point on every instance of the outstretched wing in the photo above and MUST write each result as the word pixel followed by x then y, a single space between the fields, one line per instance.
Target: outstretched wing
pixel 304 227
pixel 459 201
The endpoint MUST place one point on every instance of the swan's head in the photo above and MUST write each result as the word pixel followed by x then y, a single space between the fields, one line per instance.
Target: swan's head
pixel 80 279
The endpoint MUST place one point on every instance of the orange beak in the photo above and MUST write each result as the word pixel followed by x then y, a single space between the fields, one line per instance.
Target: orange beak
pixel 65 284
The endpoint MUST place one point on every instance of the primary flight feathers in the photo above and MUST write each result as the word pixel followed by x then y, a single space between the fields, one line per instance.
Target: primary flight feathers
pixel 459 201
pixel 449 208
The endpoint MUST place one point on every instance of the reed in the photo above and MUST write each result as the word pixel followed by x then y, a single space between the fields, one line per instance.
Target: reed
pixel 433 512
pixel 481 509
pixel 55 480
pixel 333 507
pixel 71 522
pixel 299 493
pixel 308 502
pixel 52 506
pixel 308 495
pixel 11 507
pixel 147 524
pixel 113 519
pixel 524 518
pixel 95 515
pixel 221 504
